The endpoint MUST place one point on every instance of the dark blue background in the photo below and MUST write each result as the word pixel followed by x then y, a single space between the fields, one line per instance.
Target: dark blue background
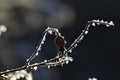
pixel 98 55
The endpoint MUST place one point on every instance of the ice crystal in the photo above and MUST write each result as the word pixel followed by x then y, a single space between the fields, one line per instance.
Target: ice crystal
pixel 35 68
pixel 48 66
pixel 36 54
pixel 93 24
pixel 70 51
pixel 86 32
pixel 111 23
pixel 50 32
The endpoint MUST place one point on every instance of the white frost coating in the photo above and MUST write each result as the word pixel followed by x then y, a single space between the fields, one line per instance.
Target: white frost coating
pixel 70 51
pixel 98 22
pixel 92 78
pixel 20 74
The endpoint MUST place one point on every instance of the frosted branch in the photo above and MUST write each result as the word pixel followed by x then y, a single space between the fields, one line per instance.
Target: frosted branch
pixel 61 58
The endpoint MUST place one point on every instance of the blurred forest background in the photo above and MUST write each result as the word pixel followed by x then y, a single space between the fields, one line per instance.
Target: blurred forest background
pixel 98 55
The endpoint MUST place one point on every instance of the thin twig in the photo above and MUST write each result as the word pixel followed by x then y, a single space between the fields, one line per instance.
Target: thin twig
pixel 59 59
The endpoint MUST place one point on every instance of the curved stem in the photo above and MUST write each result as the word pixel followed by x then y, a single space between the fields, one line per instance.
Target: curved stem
pixel 56 60
pixel 38 48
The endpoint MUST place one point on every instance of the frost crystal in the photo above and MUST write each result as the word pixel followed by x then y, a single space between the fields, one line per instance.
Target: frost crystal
pixel 48 66
pixel 102 20
pixel 111 23
pixel 106 21
pixel 76 45
pixel 107 25
pixel 86 32
pixel 35 68
pixel 67 62
pixel 37 54
pixel 82 37
pixel 50 32
pixel 93 24
pixel 45 60
pixel 70 51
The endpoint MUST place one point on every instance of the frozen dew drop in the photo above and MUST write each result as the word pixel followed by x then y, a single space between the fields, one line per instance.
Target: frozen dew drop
pixel 27 59
pixel 86 32
pixel 67 62
pixel 70 51
pixel 106 22
pixel 107 25
pixel 35 68
pixel 93 24
pixel 98 23
pixel 42 42
pixel 50 31
pixel 75 45
pixel 39 48
pixel 48 28
pixel 111 23
pixel 36 53
pixel 70 59
pixel 8 70
pixel 48 66
pixel 102 21
pixel 45 60
pixel 81 37
pixel 60 59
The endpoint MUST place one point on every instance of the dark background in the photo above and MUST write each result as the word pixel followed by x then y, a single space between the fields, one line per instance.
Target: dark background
pixel 98 55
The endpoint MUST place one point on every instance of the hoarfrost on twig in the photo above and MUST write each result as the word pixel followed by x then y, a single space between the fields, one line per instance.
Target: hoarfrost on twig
pixel 60 59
